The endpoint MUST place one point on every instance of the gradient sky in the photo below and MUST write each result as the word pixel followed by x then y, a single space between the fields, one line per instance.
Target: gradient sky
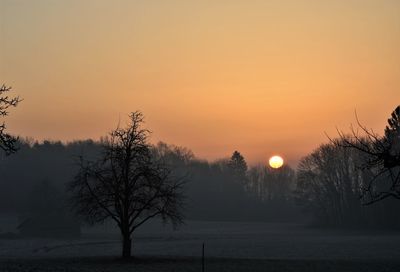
pixel 261 77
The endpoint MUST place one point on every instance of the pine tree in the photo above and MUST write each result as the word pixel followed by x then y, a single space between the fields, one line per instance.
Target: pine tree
pixel 392 140
pixel 238 166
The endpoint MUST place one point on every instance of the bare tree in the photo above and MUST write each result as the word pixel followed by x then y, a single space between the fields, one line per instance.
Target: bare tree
pixel 127 184
pixel 381 157
pixel 7 141
pixel 272 184
pixel 328 184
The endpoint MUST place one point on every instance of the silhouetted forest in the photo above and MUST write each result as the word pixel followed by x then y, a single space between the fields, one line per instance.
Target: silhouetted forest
pixel 325 190
pixel 35 178
pixel 330 185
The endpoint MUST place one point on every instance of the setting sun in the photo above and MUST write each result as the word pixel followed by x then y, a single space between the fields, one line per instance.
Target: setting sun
pixel 276 162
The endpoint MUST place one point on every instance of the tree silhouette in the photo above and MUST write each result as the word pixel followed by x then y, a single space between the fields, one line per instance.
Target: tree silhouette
pixel 328 184
pixel 238 166
pixel 392 140
pixel 7 141
pixel 381 157
pixel 127 184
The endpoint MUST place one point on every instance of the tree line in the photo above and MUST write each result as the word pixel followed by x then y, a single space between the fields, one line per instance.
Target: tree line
pixel 332 185
pixel 214 190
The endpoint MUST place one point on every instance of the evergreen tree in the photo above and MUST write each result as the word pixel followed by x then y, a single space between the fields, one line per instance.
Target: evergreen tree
pixel 238 166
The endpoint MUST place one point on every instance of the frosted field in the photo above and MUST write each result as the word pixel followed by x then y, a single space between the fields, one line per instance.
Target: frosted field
pixel 222 239
pixel 237 246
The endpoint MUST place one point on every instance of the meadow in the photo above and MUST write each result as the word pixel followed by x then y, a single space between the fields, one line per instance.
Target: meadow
pixel 229 246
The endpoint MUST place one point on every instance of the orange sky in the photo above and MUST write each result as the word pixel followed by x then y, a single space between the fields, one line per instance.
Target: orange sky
pixel 261 77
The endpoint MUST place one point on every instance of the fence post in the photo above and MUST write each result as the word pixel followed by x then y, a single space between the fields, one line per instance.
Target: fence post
pixel 202 259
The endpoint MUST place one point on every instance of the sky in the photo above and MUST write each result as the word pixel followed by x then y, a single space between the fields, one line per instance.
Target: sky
pixel 261 77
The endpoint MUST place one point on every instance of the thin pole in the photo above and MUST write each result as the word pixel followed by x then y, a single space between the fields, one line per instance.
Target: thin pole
pixel 202 259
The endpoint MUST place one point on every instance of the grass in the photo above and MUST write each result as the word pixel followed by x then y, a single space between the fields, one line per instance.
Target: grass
pixel 178 264
pixel 230 246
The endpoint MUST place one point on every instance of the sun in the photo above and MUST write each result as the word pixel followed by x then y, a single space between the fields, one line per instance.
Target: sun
pixel 276 162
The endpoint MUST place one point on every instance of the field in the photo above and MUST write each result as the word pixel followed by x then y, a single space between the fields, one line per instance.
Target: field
pixel 229 246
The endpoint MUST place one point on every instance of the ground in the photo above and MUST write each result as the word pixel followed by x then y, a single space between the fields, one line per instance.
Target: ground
pixel 177 264
pixel 229 246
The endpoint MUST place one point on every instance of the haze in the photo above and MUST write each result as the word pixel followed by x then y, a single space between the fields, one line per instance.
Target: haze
pixel 262 77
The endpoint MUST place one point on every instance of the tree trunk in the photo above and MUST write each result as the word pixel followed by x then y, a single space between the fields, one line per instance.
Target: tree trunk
pixel 126 246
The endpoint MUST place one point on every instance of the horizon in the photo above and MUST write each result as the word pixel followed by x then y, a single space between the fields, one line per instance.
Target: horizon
pixel 293 163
